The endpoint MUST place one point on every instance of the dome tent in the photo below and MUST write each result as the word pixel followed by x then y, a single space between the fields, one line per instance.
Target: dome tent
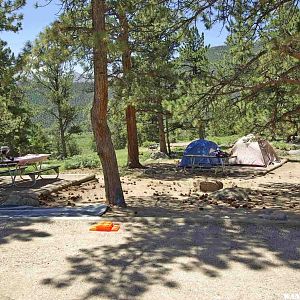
pixel 200 147
pixel 251 151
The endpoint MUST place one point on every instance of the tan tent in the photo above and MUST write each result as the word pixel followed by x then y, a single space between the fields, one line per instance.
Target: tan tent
pixel 252 152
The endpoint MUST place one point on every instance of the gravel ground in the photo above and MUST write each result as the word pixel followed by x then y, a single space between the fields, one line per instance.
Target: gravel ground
pixel 148 259
pixel 166 248
pixel 170 190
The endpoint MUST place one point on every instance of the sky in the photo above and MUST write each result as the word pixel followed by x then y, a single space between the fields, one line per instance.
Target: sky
pixel 36 19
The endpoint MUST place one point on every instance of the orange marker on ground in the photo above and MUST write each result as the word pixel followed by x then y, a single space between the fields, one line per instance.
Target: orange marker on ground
pixel 116 227
pixel 105 226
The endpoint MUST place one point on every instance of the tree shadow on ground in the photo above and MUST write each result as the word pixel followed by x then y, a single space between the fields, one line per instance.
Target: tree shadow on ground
pixel 155 250
pixel 21 230
pixel 6 187
pixel 282 194
pixel 292 188
pixel 168 171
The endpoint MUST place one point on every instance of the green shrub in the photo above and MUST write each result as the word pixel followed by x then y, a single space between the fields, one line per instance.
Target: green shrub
pixel 146 144
pixel 73 148
pixel 79 162
pixel 284 146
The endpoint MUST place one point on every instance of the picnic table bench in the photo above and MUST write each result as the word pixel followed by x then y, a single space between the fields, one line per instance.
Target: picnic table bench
pixel 223 160
pixel 34 175
pixel 12 169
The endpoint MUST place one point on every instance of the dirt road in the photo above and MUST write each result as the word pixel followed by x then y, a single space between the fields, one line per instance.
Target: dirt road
pixel 148 259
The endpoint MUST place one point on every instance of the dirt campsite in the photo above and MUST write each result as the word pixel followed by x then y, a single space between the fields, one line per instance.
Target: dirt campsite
pixel 173 240
pixel 163 186
pixel 149 150
pixel 183 231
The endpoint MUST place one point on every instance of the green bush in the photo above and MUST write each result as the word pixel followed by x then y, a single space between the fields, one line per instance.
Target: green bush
pixel 284 146
pixel 119 142
pixel 79 162
pixel 73 148
pixel 146 144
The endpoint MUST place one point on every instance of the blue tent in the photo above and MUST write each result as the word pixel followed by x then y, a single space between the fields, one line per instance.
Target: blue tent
pixel 200 147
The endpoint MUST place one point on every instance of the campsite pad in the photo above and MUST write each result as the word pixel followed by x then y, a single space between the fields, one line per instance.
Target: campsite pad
pixel 30 211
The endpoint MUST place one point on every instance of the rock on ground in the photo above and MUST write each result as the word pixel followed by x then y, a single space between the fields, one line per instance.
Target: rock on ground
pixel 158 155
pixel 235 193
pixel 274 215
pixel 294 152
pixel 208 186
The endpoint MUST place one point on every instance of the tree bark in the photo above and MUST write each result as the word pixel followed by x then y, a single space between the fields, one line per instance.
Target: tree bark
pixel 168 135
pixel 62 138
pixel 201 130
pixel 132 143
pixel 132 137
pixel 105 149
pixel 162 137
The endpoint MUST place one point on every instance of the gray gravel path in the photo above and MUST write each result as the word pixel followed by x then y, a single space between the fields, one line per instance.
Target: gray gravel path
pixel 148 259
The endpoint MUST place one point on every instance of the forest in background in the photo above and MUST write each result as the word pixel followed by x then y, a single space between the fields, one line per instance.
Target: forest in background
pixel 82 98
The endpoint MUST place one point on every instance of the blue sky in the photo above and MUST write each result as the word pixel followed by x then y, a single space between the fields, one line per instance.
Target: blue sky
pixel 35 20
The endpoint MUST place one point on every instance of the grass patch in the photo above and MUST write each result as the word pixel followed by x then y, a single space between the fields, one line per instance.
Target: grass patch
pixel 284 146
pixel 225 141
pixel 121 157
pixel 90 160
pixel 85 142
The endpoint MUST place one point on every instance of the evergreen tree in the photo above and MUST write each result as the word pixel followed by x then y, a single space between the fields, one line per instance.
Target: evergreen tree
pixel 51 73
pixel 15 126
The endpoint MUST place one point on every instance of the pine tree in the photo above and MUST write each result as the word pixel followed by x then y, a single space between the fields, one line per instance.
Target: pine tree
pixel 51 73
pixel 15 124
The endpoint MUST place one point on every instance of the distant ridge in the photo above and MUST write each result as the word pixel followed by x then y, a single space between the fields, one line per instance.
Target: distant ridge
pixel 216 53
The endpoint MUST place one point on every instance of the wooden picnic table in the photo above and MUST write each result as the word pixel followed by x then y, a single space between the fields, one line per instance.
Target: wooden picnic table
pixel 31 159
pixel 22 162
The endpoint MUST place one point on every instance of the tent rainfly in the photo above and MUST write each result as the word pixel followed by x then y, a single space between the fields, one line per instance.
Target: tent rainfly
pixel 200 147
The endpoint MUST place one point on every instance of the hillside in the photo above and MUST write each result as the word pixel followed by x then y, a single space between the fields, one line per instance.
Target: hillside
pixel 82 99
pixel 216 53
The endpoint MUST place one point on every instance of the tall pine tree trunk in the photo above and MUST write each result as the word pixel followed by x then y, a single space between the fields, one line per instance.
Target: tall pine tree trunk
pixel 132 137
pixel 62 133
pixel 62 139
pixel 201 130
pixel 162 137
pixel 132 145
pixel 168 135
pixel 105 149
